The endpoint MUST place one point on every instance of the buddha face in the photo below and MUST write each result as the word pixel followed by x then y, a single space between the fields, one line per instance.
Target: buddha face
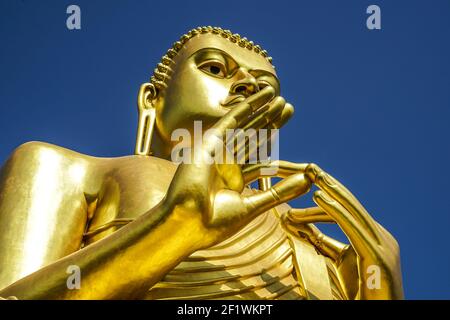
pixel 211 74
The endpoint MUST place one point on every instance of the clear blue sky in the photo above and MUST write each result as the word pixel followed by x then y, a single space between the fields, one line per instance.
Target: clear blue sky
pixel 372 107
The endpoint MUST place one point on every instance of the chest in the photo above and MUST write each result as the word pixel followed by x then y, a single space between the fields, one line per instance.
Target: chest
pixel 256 263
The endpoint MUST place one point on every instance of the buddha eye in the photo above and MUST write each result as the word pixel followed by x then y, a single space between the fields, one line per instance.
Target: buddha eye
pixel 213 68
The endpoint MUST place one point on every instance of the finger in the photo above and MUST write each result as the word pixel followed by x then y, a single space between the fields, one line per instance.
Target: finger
pixel 361 240
pixel 244 146
pixel 278 168
pixel 250 146
pixel 247 147
pixel 300 222
pixel 238 116
pixel 286 114
pixel 285 190
pixel 256 148
pixel 276 121
pixel 265 141
pixel 340 193
pixel 246 142
pixel 273 119
pixel 308 215
pixel 276 106
pixel 326 245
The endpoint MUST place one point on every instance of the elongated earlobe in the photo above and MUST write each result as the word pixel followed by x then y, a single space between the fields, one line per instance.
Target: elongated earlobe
pixel 147 115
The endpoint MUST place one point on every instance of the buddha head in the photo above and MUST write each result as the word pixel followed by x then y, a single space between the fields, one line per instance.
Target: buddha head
pixel 200 78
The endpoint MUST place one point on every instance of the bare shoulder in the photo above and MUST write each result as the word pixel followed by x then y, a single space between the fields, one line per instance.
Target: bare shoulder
pixel 34 154
pixel 139 167
pixel 36 149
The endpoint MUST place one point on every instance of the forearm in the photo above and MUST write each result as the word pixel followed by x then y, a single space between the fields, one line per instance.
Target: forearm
pixel 121 266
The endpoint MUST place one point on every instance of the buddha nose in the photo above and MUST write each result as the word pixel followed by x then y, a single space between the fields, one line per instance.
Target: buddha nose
pixel 246 84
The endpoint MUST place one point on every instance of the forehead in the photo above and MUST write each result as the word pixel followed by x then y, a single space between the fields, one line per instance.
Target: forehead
pixel 244 57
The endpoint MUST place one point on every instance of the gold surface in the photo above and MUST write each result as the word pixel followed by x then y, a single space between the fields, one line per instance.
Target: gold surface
pixel 141 227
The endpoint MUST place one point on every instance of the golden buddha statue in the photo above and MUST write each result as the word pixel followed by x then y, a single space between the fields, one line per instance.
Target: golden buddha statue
pixel 144 227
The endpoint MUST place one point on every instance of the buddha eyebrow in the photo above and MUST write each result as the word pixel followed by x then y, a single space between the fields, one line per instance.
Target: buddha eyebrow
pixel 261 73
pixel 208 52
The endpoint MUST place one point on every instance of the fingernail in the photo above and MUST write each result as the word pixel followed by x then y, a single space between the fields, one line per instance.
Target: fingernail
pixel 328 180
pixel 325 198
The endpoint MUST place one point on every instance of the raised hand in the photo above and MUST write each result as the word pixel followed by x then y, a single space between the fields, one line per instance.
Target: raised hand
pixel 211 193
pixel 371 263
pixel 203 206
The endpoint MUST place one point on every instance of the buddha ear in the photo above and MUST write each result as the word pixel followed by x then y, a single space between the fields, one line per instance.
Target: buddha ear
pixel 147 115
pixel 147 94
